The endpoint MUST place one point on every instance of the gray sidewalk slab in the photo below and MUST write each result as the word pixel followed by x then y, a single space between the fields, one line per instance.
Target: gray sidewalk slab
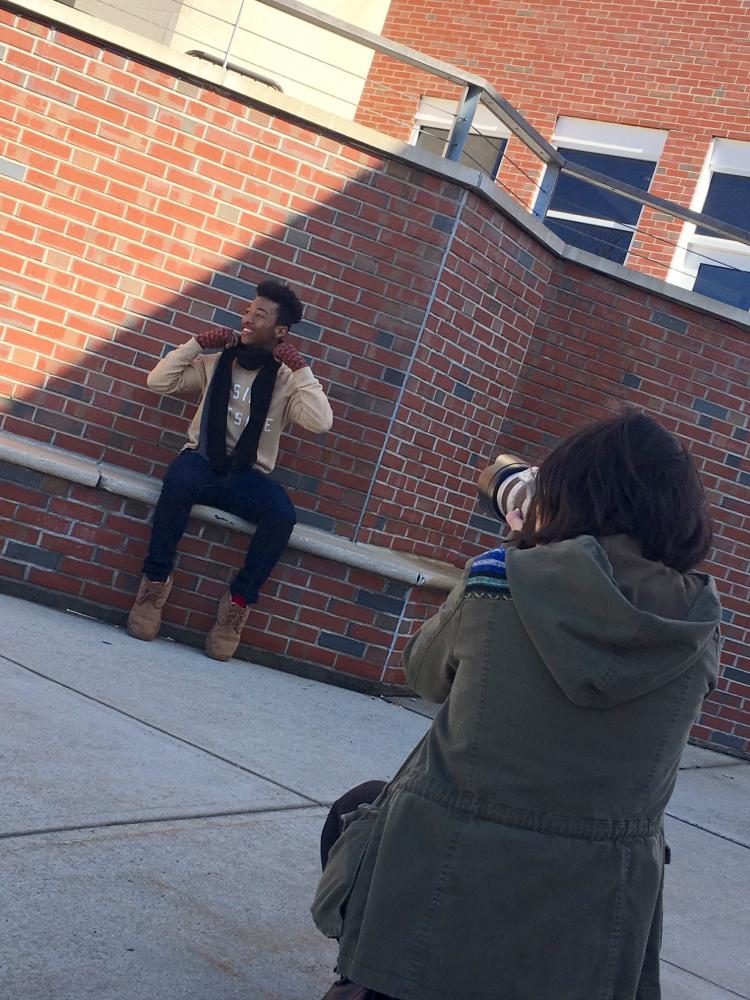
pixel 196 910
pixel 678 984
pixel 700 758
pixel 68 761
pixel 313 738
pixel 706 918
pixel 716 799
pixel 102 728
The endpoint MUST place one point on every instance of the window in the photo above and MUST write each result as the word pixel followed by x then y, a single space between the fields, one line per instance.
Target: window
pixel 590 217
pixel 485 143
pixel 704 261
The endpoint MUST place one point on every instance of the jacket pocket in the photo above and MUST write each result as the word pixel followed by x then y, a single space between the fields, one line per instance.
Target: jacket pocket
pixel 337 881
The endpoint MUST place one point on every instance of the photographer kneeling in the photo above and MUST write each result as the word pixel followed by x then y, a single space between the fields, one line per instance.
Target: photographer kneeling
pixel 519 852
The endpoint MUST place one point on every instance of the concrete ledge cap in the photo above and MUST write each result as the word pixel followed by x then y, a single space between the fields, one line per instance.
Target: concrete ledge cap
pixel 401 566
pixel 47 460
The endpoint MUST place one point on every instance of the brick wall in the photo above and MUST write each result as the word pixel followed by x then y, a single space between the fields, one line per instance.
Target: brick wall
pixel 75 547
pixel 691 372
pixel 141 208
pixel 684 67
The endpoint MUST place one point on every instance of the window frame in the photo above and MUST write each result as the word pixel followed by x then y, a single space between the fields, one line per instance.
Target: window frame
pixel 724 156
pixel 440 113
pixel 606 138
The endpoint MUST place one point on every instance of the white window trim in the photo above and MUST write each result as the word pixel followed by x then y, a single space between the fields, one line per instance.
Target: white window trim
pixel 437 112
pixel 611 139
pixel 607 137
pixel 724 156
pixel 591 220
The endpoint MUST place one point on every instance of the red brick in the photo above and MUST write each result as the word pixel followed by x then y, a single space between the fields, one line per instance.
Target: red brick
pixel 54 581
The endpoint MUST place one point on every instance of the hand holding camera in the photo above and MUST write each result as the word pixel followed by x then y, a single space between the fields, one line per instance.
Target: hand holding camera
pixel 507 488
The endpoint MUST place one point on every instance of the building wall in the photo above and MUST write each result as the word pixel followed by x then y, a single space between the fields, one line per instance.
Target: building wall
pixel 684 67
pixel 310 63
pixel 141 207
pixel 156 22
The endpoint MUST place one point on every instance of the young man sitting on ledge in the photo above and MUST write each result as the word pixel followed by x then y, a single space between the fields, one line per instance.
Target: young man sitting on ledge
pixel 249 392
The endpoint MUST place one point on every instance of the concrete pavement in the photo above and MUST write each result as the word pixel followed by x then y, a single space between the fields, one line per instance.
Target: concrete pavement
pixel 160 814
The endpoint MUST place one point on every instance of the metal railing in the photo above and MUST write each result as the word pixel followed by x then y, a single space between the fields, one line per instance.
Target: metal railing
pixel 477 89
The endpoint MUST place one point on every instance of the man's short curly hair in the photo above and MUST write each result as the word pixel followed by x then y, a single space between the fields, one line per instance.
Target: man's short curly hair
pixel 289 305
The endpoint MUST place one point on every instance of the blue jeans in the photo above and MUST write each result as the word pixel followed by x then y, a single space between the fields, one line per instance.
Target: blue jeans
pixel 251 495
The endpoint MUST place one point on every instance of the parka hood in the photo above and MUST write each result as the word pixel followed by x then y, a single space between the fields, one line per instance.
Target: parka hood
pixel 609 624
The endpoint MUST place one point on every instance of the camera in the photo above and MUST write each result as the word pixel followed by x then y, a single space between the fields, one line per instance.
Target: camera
pixel 506 485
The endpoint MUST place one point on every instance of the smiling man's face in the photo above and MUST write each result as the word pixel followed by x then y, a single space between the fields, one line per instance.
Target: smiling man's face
pixel 260 326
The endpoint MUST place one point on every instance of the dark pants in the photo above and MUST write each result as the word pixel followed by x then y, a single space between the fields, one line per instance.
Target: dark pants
pixel 364 793
pixel 251 495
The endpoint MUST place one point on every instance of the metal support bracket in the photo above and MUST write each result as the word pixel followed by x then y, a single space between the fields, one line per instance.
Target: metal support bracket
pixel 463 121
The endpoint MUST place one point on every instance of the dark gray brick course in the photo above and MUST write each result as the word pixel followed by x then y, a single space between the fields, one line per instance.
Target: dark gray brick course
pixel 380 602
pixel 310 331
pixel 443 223
pixel 235 286
pixel 669 322
pixel 9 168
pixel 463 391
pixel 341 643
pixel 222 317
pixel 16 474
pixel 297 238
pixel 32 554
pixel 315 520
pixel 728 740
pixel 710 409
pixel 734 674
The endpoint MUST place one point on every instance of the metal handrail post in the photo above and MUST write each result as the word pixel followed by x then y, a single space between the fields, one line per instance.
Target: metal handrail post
pixel 235 26
pixel 463 121
pixel 546 190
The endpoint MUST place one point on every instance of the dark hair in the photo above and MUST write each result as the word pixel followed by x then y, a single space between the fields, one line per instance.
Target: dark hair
pixel 289 306
pixel 626 475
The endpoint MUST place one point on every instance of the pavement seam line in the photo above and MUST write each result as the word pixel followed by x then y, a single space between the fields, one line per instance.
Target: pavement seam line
pixel 703 979
pixel 147 820
pixel 729 762
pixel 712 833
pixel 164 732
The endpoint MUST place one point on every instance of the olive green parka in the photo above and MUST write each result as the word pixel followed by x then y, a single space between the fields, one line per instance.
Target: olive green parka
pixel 519 852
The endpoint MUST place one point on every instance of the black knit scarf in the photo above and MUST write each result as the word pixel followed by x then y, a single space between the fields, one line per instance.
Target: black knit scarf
pixel 214 423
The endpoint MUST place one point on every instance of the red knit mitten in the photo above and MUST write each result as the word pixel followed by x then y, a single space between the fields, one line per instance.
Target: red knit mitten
pixel 217 336
pixel 288 355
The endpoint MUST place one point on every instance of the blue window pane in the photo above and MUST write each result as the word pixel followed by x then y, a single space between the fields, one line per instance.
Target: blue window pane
pixel 581 198
pixel 728 200
pixel 724 284
pixel 613 244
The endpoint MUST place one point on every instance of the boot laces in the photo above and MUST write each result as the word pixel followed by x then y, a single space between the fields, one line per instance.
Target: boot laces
pixel 236 616
pixel 152 592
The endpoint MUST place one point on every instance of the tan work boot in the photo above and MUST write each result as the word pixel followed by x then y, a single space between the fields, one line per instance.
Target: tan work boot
pixel 144 620
pixel 224 637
